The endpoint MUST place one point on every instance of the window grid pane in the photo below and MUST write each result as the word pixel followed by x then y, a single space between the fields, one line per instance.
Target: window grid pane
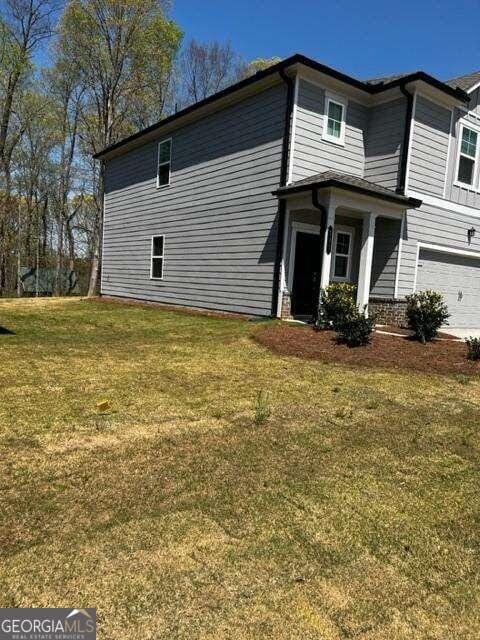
pixel 158 246
pixel 343 244
pixel 334 120
pixel 157 267
pixel 465 170
pixel 341 265
pixel 164 151
pixel 164 174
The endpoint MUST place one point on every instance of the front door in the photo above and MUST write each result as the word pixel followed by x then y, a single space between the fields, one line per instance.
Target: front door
pixel 306 274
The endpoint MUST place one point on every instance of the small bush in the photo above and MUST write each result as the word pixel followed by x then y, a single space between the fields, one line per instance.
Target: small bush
pixel 426 312
pixel 355 330
pixel 337 303
pixel 473 348
pixel 262 409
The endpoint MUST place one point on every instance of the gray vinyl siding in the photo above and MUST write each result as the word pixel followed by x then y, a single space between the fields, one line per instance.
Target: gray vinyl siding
pixel 218 215
pixel 429 147
pixel 432 225
pixel 385 257
pixel 384 141
pixel 453 192
pixel 312 154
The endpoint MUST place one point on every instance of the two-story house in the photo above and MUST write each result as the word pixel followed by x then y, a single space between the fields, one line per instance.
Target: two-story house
pixel 256 197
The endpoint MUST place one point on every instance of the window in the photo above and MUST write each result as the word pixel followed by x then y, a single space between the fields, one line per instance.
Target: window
pixel 334 128
pixel 156 264
pixel 164 162
pixel 342 256
pixel 467 156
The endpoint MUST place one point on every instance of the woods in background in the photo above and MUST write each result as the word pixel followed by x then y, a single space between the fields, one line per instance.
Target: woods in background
pixel 114 67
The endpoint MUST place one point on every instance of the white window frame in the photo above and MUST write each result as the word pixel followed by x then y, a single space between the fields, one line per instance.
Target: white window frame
pixel 152 256
pixel 342 102
pixel 161 164
pixel 349 231
pixel 457 182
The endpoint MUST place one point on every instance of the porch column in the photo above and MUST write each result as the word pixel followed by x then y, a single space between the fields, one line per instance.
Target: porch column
pixel 366 257
pixel 327 257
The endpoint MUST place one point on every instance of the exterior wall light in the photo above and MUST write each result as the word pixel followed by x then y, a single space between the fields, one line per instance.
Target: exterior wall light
pixel 471 233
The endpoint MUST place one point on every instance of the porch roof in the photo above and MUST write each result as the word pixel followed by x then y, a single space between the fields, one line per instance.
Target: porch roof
pixel 329 179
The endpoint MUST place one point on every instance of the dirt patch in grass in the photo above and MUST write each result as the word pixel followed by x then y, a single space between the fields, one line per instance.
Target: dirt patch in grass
pixel 439 356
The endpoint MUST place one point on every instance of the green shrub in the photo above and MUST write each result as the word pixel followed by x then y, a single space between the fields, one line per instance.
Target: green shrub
pixel 473 348
pixel 426 312
pixel 355 330
pixel 338 301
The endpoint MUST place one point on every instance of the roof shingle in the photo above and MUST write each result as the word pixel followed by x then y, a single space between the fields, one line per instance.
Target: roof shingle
pixel 465 82
pixel 349 182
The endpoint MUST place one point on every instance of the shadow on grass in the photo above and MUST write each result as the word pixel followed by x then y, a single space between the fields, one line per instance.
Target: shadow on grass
pixel 5 331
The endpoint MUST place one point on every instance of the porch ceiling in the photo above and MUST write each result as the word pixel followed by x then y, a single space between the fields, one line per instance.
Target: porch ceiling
pixel 333 179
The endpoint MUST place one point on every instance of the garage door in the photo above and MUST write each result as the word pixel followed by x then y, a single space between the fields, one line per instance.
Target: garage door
pixel 458 279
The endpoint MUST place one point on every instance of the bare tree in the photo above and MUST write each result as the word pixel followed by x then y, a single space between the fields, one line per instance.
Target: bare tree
pixel 23 25
pixel 206 68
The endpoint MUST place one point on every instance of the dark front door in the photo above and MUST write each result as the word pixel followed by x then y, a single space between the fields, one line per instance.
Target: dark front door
pixel 306 274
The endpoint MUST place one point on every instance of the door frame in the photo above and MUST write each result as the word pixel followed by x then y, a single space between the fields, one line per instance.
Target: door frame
pixel 303 227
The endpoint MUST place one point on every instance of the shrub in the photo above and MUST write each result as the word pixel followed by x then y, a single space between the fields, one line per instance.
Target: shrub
pixel 355 330
pixel 426 312
pixel 473 348
pixel 262 409
pixel 337 304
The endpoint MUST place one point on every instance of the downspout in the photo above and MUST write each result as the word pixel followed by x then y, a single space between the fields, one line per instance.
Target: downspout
pixel 323 229
pixel 282 205
pixel 402 175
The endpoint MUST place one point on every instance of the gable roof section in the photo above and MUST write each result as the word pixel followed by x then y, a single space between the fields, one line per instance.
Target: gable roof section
pixel 466 83
pixel 348 182
pixel 385 79
pixel 368 87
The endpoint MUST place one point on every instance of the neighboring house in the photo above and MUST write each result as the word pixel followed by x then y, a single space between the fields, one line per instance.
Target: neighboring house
pixel 252 199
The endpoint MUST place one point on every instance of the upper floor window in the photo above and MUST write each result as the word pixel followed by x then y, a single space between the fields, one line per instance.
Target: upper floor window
pixel 156 257
pixel 467 157
pixel 334 127
pixel 164 162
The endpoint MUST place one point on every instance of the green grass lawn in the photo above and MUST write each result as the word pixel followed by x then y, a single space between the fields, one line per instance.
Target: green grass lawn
pixel 136 479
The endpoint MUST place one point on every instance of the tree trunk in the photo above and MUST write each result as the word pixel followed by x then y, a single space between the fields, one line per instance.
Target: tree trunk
pixel 97 253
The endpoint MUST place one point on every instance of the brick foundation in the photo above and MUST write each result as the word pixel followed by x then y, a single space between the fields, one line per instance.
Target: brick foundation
pixel 388 311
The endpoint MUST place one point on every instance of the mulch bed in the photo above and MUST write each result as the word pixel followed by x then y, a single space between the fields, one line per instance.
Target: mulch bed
pixel 402 331
pixel 390 352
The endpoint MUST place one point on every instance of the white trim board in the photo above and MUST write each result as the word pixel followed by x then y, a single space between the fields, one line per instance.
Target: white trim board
pixel 410 140
pixel 447 205
pixel 293 131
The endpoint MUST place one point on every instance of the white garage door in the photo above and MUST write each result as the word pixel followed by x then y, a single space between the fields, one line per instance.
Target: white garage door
pixel 458 279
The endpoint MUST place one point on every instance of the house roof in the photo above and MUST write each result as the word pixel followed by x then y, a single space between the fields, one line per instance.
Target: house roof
pixel 386 79
pixel 369 87
pixel 349 183
pixel 465 82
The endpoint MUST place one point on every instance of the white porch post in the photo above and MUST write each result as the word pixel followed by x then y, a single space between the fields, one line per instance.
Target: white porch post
pixel 327 257
pixel 282 285
pixel 366 257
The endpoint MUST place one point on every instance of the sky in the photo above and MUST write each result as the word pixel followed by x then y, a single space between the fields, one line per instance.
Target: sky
pixel 365 39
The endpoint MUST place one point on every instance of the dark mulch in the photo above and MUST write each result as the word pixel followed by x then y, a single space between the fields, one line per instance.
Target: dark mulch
pixel 439 356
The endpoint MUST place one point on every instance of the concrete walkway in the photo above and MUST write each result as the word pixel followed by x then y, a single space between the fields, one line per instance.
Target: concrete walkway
pixel 463 332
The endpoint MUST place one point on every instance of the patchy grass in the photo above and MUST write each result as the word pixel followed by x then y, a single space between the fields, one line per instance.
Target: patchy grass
pixel 136 480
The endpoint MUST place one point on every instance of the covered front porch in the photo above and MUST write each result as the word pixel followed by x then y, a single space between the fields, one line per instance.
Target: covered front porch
pixel 339 230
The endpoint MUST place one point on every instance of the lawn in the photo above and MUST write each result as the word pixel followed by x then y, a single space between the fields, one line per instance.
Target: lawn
pixel 136 479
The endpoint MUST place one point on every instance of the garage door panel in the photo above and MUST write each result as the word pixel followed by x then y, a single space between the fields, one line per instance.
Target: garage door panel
pixel 458 279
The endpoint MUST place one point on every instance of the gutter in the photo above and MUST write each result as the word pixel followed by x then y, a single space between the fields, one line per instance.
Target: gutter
pixel 413 203
pixel 402 174
pixel 282 205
